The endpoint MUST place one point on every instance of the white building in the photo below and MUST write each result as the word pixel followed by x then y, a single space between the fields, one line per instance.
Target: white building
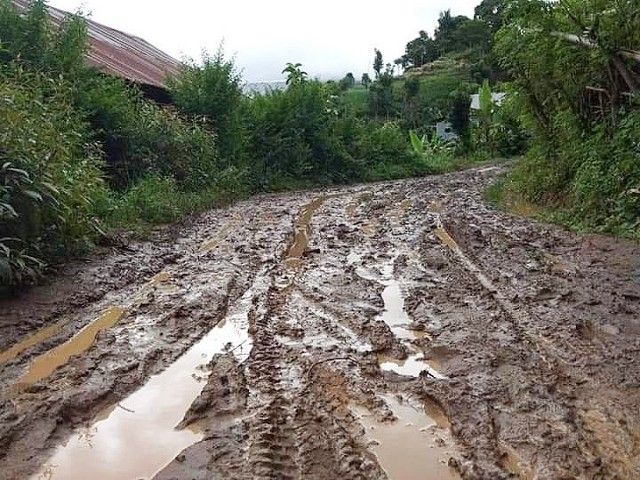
pixel 497 97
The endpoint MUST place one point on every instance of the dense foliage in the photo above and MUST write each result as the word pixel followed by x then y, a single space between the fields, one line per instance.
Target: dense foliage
pixel 456 35
pixel 441 74
pixel 578 95
pixel 49 173
pixel 304 134
pixel 74 143
pixel 213 90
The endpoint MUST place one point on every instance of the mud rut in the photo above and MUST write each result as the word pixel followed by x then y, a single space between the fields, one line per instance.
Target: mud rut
pixel 401 330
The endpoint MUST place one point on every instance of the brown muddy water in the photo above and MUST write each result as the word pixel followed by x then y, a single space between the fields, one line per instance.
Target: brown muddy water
pixel 31 341
pixel 411 447
pixel 303 232
pixel 399 321
pixel 44 365
pixel 136 438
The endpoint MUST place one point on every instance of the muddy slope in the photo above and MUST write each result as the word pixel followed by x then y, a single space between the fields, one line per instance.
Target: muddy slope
pixel 308 335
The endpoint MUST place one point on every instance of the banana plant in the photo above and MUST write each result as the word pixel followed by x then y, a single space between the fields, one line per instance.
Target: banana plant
pixel 417 143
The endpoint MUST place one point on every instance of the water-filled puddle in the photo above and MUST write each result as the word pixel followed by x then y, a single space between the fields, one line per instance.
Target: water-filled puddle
pixel 445 238
pixel 410 448
pixel 47 363
pixel 303 232
pixel 137 438
pixel 398 320
pixel 413 366
pixel 394 313
pixel 31 341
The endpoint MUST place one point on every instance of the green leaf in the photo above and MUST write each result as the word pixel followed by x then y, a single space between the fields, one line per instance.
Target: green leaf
pixel 486 98
pixel 33 195
pixel 416 143
pixel 9 208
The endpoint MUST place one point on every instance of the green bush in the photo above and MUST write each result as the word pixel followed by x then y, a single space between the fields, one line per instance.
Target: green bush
pixel 51 170
pixel 153 200
pixel 606 188
pixel 33 41
pixel 589 182
pixel 57 117
pixel 292 136
pixel 160 200
pixel 304 135
pixel 386 153
pixel 140 138
pixel 436 155
pixel 213 91
pixel 582 167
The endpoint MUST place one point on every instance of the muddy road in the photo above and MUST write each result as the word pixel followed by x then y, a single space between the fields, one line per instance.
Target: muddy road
pixel 398 330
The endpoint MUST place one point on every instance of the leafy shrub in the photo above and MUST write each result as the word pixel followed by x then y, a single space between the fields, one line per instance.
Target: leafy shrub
pixel 291 135
pixel 33 41
pixel 437 155
pixel 160 200
pixel 385 152
pixel 153 200
pixel 140 138
pixel 57 116
pixel 50 169
pixel 583 162
pixel 591 182
pixel 606 188
pixel 213 91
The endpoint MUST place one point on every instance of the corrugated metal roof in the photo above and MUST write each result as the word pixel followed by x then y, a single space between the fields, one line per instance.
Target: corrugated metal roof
pixel 118 53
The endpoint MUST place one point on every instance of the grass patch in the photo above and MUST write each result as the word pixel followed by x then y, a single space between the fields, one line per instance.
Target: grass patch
pixel 158 201
pixel 505 195
pixel 356 99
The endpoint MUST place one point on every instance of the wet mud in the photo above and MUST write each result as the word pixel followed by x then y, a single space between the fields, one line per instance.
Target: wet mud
pixel 402 330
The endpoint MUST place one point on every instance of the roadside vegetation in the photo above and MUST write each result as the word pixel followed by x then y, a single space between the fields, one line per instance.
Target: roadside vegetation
pixel 84 155
pixel 570 71
pixel 575 78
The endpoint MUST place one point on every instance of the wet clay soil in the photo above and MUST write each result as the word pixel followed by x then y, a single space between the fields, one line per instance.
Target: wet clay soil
pixel 400 330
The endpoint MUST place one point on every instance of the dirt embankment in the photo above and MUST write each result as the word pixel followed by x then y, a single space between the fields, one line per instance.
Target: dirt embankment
pixel 397 330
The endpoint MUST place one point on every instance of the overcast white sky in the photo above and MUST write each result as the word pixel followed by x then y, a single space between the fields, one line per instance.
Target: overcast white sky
pixel 329 37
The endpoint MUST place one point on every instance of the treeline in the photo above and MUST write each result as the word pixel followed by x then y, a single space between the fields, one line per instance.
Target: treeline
pixel 571 74
pixel 84 154
pixel 430 87
pixel 471 39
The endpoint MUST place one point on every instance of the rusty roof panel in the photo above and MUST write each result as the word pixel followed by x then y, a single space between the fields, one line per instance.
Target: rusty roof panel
pixel 118 53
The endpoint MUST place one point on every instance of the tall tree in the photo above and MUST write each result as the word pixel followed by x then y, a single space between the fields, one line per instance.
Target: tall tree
pixel 492 12
pixel 366 80
pixel 420 51
pixel 347 82
pixel 378 63
pixel 213 89
pixel 445 35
